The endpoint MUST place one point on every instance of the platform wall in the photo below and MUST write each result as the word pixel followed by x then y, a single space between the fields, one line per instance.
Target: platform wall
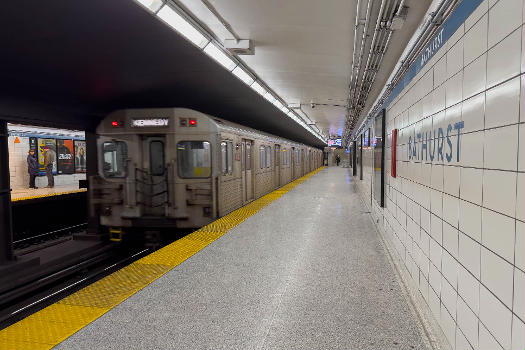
pixel 18 167
pixel 457 216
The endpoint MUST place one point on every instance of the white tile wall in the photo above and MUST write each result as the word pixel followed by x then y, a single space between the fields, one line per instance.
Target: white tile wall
pixel 465 231
pixel 498 232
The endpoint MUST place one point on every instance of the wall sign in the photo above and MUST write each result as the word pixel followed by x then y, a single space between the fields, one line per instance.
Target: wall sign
pixel 153 122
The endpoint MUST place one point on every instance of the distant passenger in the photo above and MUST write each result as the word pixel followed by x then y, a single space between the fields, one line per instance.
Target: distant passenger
pixel 32 168
pixel 337 159
pixel 49 159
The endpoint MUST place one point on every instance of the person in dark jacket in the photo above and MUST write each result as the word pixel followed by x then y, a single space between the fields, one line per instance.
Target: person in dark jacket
pixel 32 168
pixel 49 159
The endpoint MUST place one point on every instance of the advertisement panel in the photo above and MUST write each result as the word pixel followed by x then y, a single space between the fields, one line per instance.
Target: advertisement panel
pixel 42 143
pixel 65 161
pixel 80 156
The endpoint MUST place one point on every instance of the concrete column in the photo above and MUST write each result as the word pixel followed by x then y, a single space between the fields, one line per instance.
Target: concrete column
pixel 6 224
pixel 92 170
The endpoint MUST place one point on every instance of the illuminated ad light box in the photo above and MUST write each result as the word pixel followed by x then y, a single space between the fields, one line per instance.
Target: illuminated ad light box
pixel 334 142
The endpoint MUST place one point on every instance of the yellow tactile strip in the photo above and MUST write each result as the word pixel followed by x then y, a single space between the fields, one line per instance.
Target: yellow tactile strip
pixel 47 195
pixel 51 325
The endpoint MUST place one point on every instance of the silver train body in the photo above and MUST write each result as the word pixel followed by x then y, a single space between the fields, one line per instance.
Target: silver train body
pixel 180 168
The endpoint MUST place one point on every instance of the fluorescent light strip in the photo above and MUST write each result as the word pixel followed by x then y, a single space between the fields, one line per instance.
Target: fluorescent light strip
pixel 218 55
pixel 259 88
pixel 241 74
pixel 269 97
pixel 174 20
pixel 152 5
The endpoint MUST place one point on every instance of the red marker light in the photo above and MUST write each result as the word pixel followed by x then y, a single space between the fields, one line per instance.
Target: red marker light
pixel 114 123
pixel 193 122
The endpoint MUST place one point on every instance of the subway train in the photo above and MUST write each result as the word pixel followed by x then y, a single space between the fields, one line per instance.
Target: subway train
pixel 179 168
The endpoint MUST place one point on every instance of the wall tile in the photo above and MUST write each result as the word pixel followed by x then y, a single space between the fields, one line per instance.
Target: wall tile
pixel 440 72
pixel 454 90
pixel 481 10
pixel 437 177
pixel 502 104
pixel 470 219
pixel 468 288
pixel 519 293
pixel 449 268
pixel 436 228
pixel 522 94
pixel 461 341
pixel 520 197
pixel 471 149
pixel 467 322
pixel 471 181
pixel 448 325
pixel 520 243
pixel 496 317
pixel 433 302
pixel 436 203
pixel 451 210
pixel 501 148
pixel 503 60
pixel 455 58
pixel 499 191
pixel 438 99
pixel 451 180
pixel 473 113
pixel 521 148
pixel 486 340
pixel 476 40
pixel 450 239
pixel 435 256
pixel 498 233
pixel 518 334
pixel 475 77
pixel 469 254
pixel 504 17
pixel 496 275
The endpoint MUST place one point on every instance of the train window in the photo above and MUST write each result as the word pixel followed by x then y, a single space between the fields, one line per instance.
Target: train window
pixel 248 155
pixel 156 158
pixel 224 158
pixel 194 159
pixel 115 154
pixel 230 157
pixel 262 156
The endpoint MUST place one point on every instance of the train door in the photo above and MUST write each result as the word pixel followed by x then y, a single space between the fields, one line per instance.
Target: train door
pixel 152 186
pixel 246 170
pixel 303 161
pixel 277 168
pixel 292 155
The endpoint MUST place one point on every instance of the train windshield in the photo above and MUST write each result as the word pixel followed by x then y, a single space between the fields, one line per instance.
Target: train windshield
pixel 194 159
pixel 114 157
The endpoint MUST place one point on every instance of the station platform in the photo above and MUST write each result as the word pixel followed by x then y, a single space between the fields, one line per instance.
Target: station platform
pixel 22 194
pixel 300 268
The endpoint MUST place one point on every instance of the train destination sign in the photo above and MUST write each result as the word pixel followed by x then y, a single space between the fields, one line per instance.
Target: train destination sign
pixel 152 122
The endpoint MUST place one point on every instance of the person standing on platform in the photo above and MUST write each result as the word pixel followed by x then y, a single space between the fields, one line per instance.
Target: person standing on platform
pixel 337 159
pixel 49 159
pixel 32 168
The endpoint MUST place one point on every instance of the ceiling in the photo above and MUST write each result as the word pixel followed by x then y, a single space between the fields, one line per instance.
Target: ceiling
pixel 304 48
pixel 72 62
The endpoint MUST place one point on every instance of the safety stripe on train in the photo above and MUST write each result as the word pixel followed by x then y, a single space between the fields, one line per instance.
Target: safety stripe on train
pixel 53 324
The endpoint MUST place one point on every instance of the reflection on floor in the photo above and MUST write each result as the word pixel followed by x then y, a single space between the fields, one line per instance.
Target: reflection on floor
pixel 21 194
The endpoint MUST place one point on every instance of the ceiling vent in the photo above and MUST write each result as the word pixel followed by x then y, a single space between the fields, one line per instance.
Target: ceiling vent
pixel 240 47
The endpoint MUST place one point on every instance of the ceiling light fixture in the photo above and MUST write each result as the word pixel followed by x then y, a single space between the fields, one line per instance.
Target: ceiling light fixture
pixel 218 55
pixel 174 20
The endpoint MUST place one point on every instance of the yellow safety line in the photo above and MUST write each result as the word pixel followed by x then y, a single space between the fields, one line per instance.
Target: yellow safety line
pixel 51 325
pixel 47 195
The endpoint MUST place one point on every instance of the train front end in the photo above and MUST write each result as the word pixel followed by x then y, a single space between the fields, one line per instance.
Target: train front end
pixel 155 170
